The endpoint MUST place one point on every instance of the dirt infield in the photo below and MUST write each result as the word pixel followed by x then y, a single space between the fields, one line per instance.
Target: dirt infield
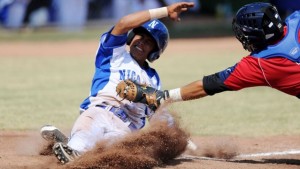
pixel 21 150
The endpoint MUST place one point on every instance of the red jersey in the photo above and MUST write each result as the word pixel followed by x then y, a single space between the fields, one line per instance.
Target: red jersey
pixel 276 72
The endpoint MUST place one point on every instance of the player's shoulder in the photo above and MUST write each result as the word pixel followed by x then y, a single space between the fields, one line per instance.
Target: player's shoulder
pixel 109 40
pixel 248 57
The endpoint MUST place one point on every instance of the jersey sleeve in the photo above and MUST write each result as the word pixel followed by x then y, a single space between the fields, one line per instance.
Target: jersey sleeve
pixel 110 46
pixel 109 40
pixel 213 84
pixel 246 73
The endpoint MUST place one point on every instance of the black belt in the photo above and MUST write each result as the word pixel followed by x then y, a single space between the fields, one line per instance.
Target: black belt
pixel 119 113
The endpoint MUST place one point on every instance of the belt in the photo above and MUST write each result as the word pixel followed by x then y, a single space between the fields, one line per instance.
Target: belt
pixel 119 113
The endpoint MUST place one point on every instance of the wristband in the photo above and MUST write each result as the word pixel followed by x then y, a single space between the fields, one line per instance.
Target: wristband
pixel 175 95
pixel 158 13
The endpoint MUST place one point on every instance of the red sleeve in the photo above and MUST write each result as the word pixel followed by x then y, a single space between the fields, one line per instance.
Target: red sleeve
pixel 247 73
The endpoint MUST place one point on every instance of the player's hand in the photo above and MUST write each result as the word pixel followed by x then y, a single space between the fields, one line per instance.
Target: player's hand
pixel 175 9
pixel 138 93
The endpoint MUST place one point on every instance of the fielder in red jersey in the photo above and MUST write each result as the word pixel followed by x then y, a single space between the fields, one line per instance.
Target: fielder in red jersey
pixel 275 69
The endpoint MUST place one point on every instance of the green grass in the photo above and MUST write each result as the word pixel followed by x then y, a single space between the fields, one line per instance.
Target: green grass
pixel 41 90
pixel 50 34
pixel 37 91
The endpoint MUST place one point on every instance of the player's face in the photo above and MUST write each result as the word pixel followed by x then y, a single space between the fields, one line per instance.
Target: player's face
pixel 141 46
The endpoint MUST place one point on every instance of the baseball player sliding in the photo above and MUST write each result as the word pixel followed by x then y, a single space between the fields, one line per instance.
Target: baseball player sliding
pixel 105 115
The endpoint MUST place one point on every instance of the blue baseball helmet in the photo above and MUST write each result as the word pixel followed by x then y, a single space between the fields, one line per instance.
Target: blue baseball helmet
pixel 256 25
pixel 158 31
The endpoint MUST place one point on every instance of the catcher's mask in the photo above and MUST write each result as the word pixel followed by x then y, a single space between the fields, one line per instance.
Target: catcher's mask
pixel 158 31
pixel 257 25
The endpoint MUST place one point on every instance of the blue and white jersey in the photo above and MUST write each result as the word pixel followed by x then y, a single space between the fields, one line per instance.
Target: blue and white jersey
pixel 113 64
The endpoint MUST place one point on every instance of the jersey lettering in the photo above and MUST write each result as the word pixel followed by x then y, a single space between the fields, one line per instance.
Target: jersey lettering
pixel 129 74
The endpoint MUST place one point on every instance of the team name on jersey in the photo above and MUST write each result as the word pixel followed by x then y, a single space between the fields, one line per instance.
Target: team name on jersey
pixel 129 74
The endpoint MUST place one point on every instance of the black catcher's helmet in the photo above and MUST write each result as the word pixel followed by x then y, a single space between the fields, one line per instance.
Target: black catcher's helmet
pixel 257 25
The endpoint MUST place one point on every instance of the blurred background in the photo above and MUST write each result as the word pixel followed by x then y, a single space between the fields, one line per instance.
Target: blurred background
pixel 69 15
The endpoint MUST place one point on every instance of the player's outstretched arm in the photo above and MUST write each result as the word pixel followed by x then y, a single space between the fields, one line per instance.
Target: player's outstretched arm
pixel 135 92
pixel 174 10
pixel 136 19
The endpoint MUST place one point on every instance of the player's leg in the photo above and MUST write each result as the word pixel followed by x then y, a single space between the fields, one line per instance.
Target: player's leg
pixel 92 126
pixel 64 153
pixel 116 128
pixel 83 135
pixel 51 133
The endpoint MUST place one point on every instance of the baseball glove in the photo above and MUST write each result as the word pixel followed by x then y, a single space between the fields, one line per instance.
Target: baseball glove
pixel 138 93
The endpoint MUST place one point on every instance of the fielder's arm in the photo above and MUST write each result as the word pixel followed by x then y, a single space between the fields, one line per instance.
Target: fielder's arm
pixel 135 92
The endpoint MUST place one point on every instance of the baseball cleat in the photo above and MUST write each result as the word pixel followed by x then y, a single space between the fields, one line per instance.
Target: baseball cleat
pixel 51 133
pixel 64 153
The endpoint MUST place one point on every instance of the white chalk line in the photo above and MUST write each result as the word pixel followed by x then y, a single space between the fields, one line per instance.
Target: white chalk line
pixel 190 157
pixel 289 152
pixel 278 153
